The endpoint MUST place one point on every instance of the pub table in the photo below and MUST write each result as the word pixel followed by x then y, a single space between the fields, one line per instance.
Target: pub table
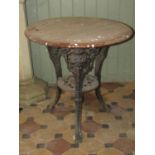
pixel 84 43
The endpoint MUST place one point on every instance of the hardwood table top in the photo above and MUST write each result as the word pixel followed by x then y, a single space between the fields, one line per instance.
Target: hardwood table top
pixel 78 32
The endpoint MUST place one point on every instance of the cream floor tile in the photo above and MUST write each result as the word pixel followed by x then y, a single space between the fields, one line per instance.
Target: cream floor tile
pixel 41 152
pixel 25 146
pixel 110 151
pixel 112 96
pixel 131 134
pixel 59 126
pixel 126 103
pixel 32 112
pixel 91 146
pixel 107 135
pixel 45 118
pixel 123 90
pixel 43 104
pixel 104 117
pixel 121 126
pixel 42 135
pixel 74 152
pixel 129 116
pixel 70 119
pixel 22 118
pixel 69 135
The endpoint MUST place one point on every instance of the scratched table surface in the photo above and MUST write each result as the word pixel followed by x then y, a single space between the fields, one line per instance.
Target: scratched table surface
pixel 78 32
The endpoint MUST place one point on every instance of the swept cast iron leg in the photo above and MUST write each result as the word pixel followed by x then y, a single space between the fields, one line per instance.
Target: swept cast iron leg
pixel 80 62
pixel 55 55
pixel 78 107
pixel 57 97
pixel 98 67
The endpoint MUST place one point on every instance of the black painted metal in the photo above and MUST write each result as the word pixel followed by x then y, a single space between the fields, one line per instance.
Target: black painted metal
pixel 80 62
pixel 98 68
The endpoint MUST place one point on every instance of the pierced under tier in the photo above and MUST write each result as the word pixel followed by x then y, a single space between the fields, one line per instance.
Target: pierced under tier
pixel 90 83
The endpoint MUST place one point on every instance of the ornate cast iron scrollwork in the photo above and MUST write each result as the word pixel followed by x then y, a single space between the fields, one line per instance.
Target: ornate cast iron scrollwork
pixel 79 62
pixel 81 59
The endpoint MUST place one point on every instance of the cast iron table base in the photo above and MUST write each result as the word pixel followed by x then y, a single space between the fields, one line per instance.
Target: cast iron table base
pixel 80 62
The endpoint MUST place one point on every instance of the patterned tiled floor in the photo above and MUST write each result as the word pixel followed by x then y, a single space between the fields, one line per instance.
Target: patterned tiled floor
pixel 110 133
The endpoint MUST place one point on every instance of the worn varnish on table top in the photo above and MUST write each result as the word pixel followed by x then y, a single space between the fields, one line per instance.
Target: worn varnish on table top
pixel 78 32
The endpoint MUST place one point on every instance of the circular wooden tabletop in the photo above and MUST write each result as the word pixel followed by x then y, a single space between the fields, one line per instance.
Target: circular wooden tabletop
pixel 78 32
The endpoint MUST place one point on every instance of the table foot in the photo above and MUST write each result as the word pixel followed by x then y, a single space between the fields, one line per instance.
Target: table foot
pixel 78 134
pixel 51 107
pixel 78 138
pixel 58 94
pixel 103 107
pixel 107 108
